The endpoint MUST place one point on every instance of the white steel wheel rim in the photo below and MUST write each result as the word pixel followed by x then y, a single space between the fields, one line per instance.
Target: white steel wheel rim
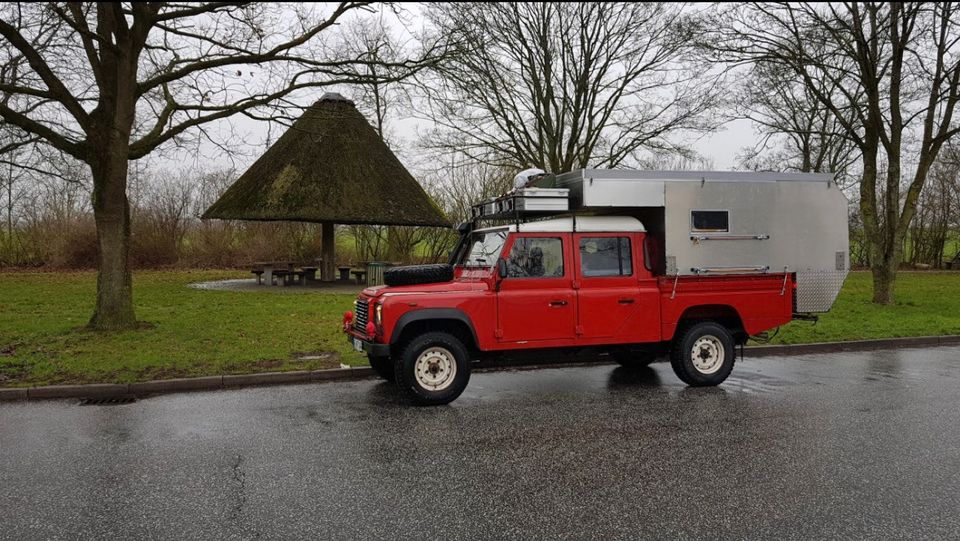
pixel 707 354
pixel 435 368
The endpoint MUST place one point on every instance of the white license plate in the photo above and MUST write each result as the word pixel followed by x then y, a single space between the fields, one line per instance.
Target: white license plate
pixel 358 345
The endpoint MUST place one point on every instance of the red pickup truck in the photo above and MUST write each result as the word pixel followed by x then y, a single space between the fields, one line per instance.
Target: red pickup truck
pixel 560 283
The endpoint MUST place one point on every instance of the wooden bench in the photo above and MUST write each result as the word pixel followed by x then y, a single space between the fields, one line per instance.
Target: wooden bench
pixel 259 273
pixel 282 276
pixel 360 275
pixel 310 273
pixel 344 273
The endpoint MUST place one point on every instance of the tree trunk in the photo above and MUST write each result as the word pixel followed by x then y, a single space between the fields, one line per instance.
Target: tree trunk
pixel 328 252
pixel 881 256
pixel 398 240
pixel 111 211
pixel 884 277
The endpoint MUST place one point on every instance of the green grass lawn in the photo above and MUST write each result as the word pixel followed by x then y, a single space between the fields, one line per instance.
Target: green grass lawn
pixel 927 304
pixel 194 332
pixel 191 332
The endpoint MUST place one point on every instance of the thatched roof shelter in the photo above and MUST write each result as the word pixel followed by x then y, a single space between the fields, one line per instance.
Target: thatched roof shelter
pixel 329 167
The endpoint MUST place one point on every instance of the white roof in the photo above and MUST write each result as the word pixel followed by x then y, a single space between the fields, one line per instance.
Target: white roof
pixel 585 224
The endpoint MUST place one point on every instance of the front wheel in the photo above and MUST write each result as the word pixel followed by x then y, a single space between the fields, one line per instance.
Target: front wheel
pixel 703 355
pixel 433 369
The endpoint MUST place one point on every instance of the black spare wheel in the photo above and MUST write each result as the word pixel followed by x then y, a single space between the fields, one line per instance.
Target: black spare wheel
pixel 418 274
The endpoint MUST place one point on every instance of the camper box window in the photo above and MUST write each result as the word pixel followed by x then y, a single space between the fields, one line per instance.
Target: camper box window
pixel 713 221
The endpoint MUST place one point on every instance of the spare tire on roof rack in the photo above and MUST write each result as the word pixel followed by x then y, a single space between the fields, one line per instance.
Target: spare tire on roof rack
pixel 418 274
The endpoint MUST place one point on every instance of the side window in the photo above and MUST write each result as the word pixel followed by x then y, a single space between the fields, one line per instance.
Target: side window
pixel 714 221
pixel 605 256
pixel 535 257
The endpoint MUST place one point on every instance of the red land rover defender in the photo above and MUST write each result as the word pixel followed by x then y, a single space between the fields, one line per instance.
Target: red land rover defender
pixel 724 256
pixel 543 285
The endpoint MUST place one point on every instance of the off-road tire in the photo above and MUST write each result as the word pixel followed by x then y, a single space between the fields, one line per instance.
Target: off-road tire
pixel 710 335
pixel 383 366
pixel 407 365
pixel 634 359
pixel 418 274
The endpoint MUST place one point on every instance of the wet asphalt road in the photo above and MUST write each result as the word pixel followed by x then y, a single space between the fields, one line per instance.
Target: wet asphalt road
pixel 821 446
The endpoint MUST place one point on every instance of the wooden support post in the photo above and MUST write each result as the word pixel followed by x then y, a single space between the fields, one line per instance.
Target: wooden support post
pixel 328 268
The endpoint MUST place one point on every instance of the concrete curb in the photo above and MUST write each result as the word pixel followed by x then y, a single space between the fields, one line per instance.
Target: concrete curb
pixel 855 345
pixel 209 383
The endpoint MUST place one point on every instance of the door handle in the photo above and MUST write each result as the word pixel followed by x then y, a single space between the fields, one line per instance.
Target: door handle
pixel 558 303
pixel 625 301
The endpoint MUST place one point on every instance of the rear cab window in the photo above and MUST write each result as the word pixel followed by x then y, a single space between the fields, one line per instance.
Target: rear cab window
pixel 605 257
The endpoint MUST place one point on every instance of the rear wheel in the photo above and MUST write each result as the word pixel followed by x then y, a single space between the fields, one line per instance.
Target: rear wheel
pixel 383 366
pixel 703 355
pixel 433 369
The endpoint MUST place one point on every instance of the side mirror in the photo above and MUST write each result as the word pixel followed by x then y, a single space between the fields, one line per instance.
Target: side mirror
pixel 502 268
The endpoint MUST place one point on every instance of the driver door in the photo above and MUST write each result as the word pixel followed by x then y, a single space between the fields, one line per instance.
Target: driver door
pixel 536 301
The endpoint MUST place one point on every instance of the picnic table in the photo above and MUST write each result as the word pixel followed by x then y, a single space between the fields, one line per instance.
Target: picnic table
pixel 267 270
pixel 359 275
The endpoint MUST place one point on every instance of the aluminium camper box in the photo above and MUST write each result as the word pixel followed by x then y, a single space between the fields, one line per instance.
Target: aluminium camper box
pixel 711 223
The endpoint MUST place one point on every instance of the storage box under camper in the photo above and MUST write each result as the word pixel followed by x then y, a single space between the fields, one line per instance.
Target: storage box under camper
pixel 712 223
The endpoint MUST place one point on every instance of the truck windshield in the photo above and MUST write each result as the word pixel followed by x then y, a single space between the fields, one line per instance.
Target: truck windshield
pixel 484 249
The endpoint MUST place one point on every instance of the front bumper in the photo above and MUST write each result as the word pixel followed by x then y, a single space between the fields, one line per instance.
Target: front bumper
pixel 373 348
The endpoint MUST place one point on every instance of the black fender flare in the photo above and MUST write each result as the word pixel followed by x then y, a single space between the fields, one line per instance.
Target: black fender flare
pixel 432 313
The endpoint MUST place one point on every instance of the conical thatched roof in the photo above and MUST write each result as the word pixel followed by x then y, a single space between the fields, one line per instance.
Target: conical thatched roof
pixel 330 166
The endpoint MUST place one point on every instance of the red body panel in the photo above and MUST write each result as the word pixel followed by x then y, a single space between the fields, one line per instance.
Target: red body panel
pixel 575 310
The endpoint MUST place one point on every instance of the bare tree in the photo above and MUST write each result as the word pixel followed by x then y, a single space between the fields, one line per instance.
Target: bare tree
pixel 373 40
pixel 797 132
pixel 565 85
pixel 165 213
pixel 108 83
pixel 889 73
pixel 377 96
pixel 936 211
pixel 14 146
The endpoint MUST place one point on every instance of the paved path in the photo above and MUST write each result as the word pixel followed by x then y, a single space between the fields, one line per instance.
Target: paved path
pixel 247 284
pixel 848 445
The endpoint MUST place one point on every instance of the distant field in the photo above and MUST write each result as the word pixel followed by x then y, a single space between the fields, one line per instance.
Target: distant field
pixel 193 332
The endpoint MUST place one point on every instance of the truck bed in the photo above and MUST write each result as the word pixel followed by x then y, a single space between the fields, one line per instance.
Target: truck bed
pixel 762 301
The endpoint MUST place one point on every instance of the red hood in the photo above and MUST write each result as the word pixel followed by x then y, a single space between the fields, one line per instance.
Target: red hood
pixel 421 289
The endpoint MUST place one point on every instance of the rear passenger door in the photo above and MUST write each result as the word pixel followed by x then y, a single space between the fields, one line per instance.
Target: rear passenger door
pixel 609 293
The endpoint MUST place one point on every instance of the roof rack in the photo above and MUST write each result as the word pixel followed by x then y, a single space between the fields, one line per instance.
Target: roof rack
pixel 522 205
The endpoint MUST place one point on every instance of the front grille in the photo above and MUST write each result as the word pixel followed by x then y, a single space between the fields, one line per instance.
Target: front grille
pixel 361 314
